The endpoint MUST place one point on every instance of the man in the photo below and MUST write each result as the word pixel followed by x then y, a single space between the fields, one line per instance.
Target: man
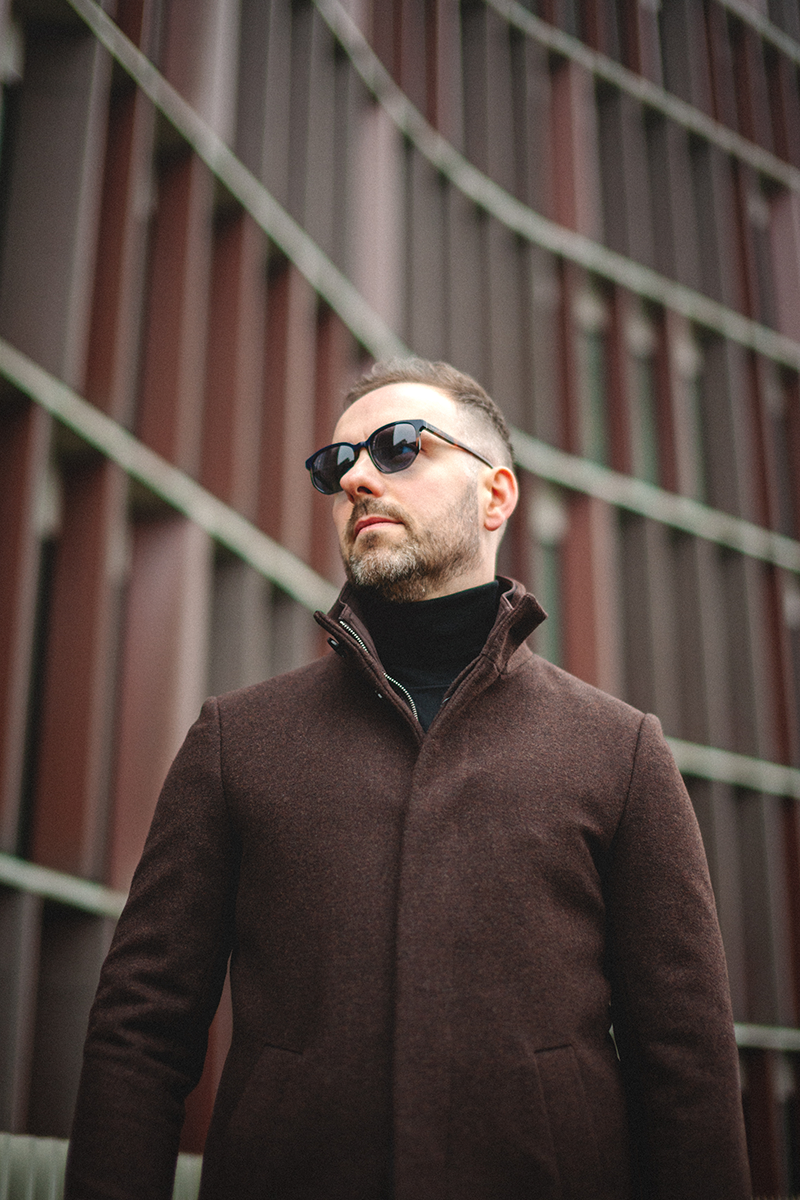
pixel 442 869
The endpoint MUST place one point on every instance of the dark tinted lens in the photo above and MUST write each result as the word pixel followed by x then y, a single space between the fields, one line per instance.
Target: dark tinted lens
pixel 330 465
pixel 394 448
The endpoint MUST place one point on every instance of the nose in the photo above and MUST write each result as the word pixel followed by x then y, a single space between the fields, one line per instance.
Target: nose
pixel 363 478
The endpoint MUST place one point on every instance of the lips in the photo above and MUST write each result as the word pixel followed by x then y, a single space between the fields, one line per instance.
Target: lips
pixel 371 521
pixel 367 515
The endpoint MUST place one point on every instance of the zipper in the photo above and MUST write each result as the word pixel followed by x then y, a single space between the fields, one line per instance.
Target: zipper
pixel 394 682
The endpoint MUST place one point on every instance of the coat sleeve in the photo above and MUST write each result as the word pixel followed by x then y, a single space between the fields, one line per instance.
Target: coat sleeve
pixel 671 1003
pixel 159 987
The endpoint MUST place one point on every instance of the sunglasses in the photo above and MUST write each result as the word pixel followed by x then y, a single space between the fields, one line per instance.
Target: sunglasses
pixel 392 448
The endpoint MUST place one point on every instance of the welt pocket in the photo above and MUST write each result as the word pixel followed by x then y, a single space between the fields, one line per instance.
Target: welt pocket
pixel 274 1044
pixel 570 1118
pixel 259 1081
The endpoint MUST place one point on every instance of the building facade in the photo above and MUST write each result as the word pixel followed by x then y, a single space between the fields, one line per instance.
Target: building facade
pixel 213 214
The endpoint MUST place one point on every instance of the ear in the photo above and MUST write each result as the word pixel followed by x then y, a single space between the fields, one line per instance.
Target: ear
pixel 500 497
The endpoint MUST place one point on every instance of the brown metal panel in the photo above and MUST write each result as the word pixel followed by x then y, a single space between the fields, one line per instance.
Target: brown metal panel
pixel 323 158
pixel 530 82
pixel 234 363
pixel 262 138
pixel 241 628
pixel 427 287
pixel 249 142
pixel 766 911
pixel 541 310
pixel 784 102
pixel 649 619
pixel 791 387
pixel 589 590
pixel 445 97
pixel 785 255
pixel 595 396
pixel 574 151
pixel 786 16
pixel 627 204
pixel 715 805
pixel 751 682
pixel 721 65
pixel 791 841
pixel 171 400
pixel 162 674
pixel 285 501
pixel 715 208
pixel 620 395
pixel 773 510
pixel 598 26
pixel 112 362
pixel 700 648
pixel 664 391
pixel 727 429
pixel 662 621
pixel 639 683
pixel 757 285
pixel 73 768
pixel 765 1144
pixel 138 21
pixel 412 50
pixel 300 115
pixel 376 229
pixel 381 23
pixel 505 315
pixel 276 130
pixel 770 459
pixel 674 220
pixel 640 37
pixel 571 279
pixel 685 52
pixel 752 97
pixel 467 341
pixel 350 99
pixel 20 923
pixel 295 636
pixel 52 209
pixel 73 946
pixel 337 365
pixel 488 116
pixel 679 365
pixel 199 57
pixel 24 444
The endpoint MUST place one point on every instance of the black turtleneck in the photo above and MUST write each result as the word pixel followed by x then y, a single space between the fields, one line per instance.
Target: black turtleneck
pixel 424 645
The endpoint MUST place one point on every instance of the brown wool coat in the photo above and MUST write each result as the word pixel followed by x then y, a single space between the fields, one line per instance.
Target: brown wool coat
pixel 429 937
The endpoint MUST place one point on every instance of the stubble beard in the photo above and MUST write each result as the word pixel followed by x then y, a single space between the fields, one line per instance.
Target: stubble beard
pixel 420 562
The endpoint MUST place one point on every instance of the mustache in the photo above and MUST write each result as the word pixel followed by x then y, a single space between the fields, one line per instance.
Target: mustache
pixel 372 508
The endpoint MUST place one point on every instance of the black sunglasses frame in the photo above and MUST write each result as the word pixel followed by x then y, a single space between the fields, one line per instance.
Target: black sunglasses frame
pixel 417 425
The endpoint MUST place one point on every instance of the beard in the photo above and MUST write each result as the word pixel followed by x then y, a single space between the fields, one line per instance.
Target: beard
pixel 419 562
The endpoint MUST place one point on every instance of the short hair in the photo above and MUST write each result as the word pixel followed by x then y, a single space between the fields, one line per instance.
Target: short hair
pixel 441 375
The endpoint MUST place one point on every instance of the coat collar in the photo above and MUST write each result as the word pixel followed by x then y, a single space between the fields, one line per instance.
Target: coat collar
pixel 519 613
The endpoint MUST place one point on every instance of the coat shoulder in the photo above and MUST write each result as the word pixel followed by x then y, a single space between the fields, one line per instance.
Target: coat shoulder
pixel 573 697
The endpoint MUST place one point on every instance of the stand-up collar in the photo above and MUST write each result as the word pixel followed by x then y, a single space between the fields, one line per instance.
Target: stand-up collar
pixel 518 614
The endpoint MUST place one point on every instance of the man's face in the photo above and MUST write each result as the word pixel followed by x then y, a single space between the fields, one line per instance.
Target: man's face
pixel 415 534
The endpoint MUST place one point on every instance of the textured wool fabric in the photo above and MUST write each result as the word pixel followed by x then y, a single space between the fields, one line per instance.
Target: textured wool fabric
pixel 429 937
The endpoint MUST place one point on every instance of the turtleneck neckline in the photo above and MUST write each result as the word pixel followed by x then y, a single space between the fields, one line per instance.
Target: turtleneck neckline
pixel 443 632
pixel 426 644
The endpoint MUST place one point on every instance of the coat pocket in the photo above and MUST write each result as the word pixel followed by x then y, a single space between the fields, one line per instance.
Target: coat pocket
pixel 571 1122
